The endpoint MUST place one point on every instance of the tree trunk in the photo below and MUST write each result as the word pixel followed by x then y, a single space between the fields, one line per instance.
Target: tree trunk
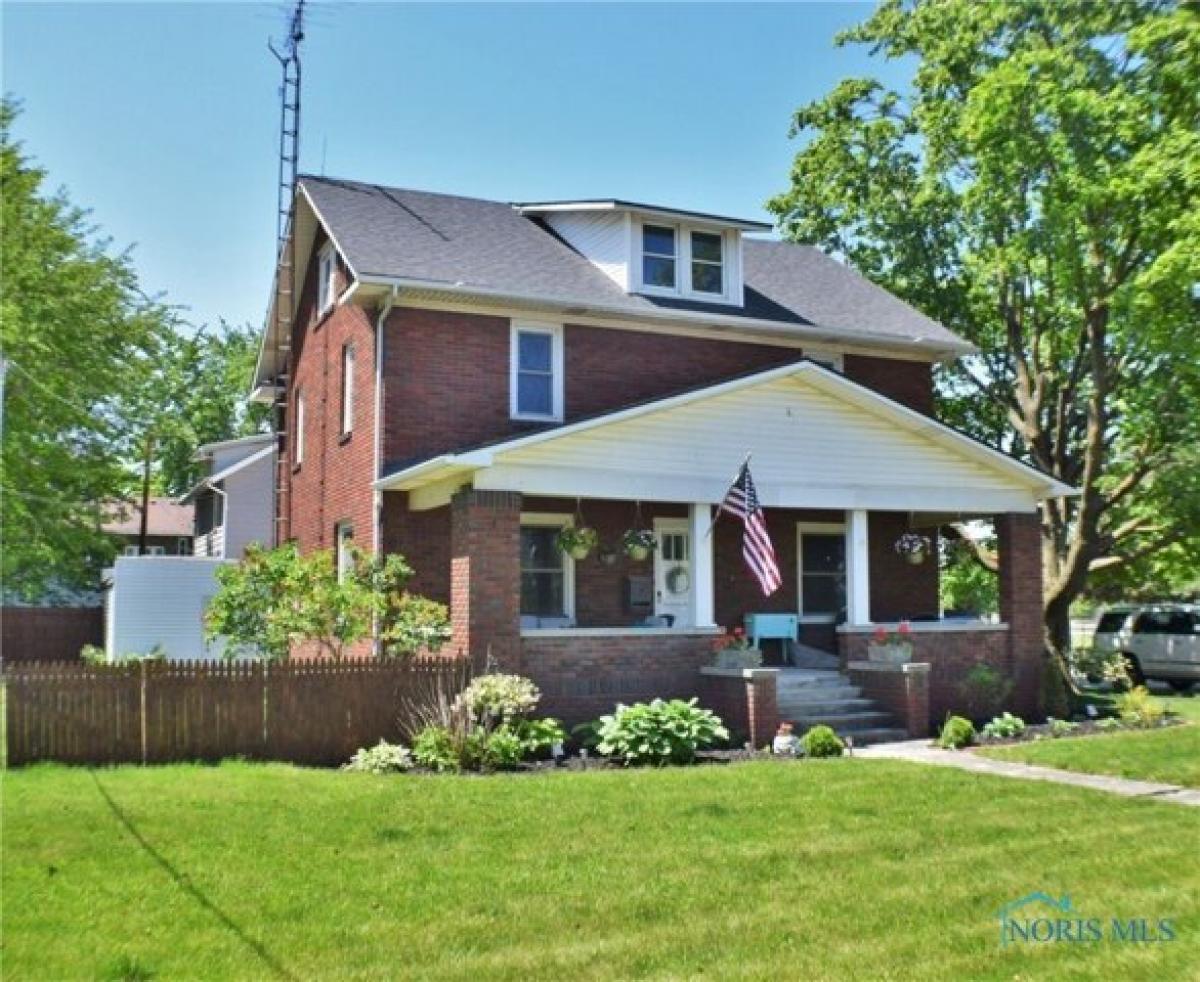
pixel 144 529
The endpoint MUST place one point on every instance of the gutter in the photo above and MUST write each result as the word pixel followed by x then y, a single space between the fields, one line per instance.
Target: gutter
pixel 377 493
pixel 825 336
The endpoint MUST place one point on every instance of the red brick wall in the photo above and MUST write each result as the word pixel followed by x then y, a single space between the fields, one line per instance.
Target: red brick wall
pixel 421 537
pixel 1020 548
pixel 899 590
pixel 446 376
pixel 951 655
pixel 749 707
pixel 908 382
pixel 333 483
pixel 485 578
pixel 584 676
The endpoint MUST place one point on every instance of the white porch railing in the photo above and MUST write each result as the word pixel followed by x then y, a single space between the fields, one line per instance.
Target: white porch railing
pixel 211 543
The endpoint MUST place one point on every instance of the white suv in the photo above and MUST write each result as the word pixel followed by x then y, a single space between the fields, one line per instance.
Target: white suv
pixel 1159 641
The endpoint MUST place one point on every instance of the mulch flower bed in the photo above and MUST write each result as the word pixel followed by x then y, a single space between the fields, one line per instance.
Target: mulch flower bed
pixel 1036 732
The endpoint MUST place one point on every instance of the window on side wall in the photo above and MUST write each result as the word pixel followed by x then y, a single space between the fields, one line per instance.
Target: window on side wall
pixel 347 389
pixel 821 551
pixel 546 572
pixel 299 428
pixel 536 372
pixel 326 267
pixel 343 536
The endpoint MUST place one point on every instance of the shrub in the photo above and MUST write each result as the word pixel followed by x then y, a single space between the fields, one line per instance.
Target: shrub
pixel 1061 727
pixel 821 741
pixel 411 623
pixel 1109 723
pixel 538 736
pixel 1102 666
pixel 439 749
pixel 503 748
pixel 984 690
pixel 659 732
pixel 496 698
pixel 384 758
pixel 956 733
pixel 1004 727
pixel 92 654
pixel 1137 708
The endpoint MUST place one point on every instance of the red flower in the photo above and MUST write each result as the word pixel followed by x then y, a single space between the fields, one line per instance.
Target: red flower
pixel 905 627
pixel 880 635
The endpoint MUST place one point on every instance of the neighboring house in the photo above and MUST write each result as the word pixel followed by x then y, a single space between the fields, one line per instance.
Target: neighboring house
pixel 168 529
pixel 234 501
pixel 458 379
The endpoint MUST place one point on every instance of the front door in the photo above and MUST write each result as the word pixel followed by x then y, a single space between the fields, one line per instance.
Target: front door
pixel 673 571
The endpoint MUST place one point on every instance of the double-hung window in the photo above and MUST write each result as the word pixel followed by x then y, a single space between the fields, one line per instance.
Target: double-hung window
pixel 299 429
pixel 325 272
pixel 343 534
pixel 536 376
pixel 347 389
pixel 822 573
pixel 546 572
pixel 658 257
pixel 708 275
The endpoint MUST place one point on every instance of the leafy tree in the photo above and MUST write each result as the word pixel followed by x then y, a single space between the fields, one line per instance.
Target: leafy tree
pixel 1036 188
pixel 77 336
pixel 277 599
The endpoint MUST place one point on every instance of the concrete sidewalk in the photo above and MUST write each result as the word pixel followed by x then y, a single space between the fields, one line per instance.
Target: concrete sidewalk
pixel 921 752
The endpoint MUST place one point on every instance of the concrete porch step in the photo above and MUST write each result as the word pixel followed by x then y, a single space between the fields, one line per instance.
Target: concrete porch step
pixel 822 693
pixel 791 708
pixel 868 738
pixel 864 720
pixel 796 678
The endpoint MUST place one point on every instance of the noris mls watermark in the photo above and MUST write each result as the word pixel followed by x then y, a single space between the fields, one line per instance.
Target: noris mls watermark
pixel 1038 918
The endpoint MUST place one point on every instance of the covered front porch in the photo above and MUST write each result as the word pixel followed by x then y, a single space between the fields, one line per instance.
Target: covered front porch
pixel 841 472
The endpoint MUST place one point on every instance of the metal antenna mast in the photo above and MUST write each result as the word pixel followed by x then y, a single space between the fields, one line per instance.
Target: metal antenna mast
pixel 289 117
pixel 285 252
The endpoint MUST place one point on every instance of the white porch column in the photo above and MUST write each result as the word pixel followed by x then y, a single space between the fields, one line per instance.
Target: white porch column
pixel 858 583
pixel 699 519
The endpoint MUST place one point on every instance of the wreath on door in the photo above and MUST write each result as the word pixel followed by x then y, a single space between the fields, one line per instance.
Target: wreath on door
pixel 678 580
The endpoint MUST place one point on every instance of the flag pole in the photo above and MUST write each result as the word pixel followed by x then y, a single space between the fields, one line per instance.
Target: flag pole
pixel 717 516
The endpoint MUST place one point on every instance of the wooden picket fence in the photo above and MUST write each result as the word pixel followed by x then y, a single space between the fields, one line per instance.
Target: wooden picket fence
pixel 306 712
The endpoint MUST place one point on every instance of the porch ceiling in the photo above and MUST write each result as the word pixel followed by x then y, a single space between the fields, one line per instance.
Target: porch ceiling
pixel 817 440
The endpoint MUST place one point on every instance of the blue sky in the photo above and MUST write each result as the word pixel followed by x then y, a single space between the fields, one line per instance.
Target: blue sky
pixel 163 118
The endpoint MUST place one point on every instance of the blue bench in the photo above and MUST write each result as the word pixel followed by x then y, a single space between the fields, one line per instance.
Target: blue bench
pixel 783 627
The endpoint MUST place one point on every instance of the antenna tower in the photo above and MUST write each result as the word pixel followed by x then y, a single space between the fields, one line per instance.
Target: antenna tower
pixel 288 56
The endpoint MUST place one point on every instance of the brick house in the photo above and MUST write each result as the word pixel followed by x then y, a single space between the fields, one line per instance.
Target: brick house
pixel 458 379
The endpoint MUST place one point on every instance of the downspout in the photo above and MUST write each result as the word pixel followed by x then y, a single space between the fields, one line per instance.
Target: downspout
pixel 377 494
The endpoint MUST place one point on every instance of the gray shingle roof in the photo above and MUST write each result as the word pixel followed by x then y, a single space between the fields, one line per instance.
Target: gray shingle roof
pixel 473 243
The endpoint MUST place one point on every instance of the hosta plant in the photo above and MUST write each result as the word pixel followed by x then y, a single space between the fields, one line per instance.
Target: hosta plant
pixel 1004 727
pixel 958 732
pixel 821 741
pixel 659 732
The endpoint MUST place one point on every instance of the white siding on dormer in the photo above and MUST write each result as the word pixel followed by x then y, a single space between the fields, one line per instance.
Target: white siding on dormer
pixel 601 237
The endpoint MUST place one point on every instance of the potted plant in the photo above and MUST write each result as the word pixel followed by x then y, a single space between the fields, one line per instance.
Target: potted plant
pixel 638 543
pixel 891 647
pixel 733 650
pixel 577 543
pixel 913 547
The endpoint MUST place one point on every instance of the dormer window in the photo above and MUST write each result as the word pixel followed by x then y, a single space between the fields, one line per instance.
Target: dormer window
pixel 658 256
pixel 707 263
pixel 685 261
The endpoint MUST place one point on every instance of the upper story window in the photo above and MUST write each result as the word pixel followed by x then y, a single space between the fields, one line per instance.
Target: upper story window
pixel 687 262
pixel 347 389
pixel 708 260
pixel 658 256
pixel 326 267
pixel 536 372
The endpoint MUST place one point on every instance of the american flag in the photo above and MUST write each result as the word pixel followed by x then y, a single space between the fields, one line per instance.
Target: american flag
pixel 742 500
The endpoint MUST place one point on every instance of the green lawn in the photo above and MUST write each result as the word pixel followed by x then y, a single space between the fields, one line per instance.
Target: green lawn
pixel 822 869
pixel 1171 755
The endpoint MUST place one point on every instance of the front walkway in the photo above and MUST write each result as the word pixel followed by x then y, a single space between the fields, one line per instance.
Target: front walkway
pixel 922 752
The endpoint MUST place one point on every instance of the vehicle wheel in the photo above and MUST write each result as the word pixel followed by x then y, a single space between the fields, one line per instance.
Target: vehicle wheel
pixel 1180 685
pixel 1134 668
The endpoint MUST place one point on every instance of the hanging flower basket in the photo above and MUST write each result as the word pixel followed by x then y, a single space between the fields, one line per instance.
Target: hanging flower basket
pixel 913 547
pixel 577 543
pixel 638 543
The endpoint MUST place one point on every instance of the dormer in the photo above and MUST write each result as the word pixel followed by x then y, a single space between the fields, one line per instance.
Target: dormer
pixel 653 251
